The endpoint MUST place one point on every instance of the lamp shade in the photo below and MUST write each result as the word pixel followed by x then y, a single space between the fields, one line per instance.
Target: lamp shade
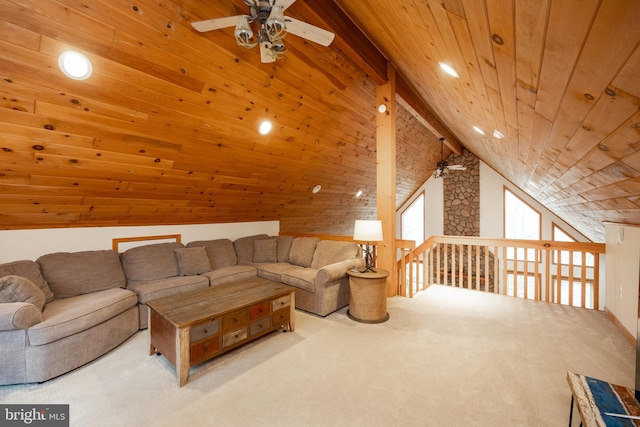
pixel 367 230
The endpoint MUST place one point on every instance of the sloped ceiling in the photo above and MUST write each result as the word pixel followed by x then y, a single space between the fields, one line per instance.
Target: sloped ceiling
pixel 560 79
pixel 164 131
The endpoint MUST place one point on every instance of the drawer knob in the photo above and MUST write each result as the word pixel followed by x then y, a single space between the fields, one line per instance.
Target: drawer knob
pixel 206 331
pixel 205 349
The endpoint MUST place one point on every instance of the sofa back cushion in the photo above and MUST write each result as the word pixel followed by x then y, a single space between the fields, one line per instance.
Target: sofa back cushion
pixel 302 250
pixel 30 270
pixel 221 252
pixel 244 248
pixel 75 273
pixel 284 247
pixel 151 262
pixel 330 252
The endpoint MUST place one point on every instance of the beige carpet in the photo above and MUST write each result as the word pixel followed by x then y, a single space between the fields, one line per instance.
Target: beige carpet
pixel 449 357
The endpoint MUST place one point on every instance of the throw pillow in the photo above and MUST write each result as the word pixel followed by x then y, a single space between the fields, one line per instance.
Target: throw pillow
pixel 193 260
pixel 265 250
pixel 21 289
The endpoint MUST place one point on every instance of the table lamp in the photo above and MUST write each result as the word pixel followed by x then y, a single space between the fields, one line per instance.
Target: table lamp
pixel 368 231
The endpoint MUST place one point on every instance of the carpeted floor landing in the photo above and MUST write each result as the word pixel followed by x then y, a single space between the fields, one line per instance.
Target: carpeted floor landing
pixel 448 357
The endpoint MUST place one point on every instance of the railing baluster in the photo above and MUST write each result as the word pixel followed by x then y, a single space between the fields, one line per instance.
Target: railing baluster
pixel 559 278
pixel 496 265
pixel 461 265
pixel 504 270
pixel 583 281
pixel 596 281
pixel 570 278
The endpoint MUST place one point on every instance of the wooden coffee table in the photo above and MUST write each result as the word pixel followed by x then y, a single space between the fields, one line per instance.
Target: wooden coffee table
pixel 195 326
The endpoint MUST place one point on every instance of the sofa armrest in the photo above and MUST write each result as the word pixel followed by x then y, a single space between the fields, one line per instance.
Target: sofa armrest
pixel 338 270
pixel 18 315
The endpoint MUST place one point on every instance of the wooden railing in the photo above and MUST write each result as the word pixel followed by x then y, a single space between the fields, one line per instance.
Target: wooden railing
pixel 544 270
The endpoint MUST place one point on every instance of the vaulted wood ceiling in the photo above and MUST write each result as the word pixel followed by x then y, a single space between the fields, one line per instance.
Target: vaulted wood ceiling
pixel 165 130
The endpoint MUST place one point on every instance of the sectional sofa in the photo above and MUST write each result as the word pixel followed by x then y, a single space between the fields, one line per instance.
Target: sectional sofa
pixel 66 309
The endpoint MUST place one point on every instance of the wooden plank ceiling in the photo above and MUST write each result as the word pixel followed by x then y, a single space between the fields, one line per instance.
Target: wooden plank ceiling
pixel 165 129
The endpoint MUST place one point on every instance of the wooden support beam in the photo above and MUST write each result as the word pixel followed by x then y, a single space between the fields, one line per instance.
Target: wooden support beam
pixel 349 39
pixel 386 176
pixel 408 97
pixel 356 46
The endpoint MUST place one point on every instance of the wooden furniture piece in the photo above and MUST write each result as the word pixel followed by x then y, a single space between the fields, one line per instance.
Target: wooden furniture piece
pixel 195 326
pixel 368 296
pixel 597 400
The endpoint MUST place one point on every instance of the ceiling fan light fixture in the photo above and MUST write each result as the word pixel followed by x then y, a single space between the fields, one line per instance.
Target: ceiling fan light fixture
pixel 244 33
pixel 275 24
pixel 449 69
pixel 477 129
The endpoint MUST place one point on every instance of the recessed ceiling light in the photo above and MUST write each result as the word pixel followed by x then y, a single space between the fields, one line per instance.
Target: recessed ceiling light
pixel 382 108
pixel 477 129
pixel 75 65
pixel 316 189
pixel 449 70
pixel 359 193
pixel 265 127
pixel 498 134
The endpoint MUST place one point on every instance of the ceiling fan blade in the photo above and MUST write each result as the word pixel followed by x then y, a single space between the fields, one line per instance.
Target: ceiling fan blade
pixel 265 55
pixel 284 4
pixel 457 167
pixel 308 31
pixel 216 24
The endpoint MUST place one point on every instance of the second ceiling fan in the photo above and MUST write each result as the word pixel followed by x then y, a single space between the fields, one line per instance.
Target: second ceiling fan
pixel 443 168
pixel 267 16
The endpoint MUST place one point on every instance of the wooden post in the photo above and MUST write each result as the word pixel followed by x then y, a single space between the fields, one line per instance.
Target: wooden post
pixel 386 176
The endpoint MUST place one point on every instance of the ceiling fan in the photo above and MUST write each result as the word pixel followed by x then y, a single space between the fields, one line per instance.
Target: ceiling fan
pixel 443 168
pixel 271 25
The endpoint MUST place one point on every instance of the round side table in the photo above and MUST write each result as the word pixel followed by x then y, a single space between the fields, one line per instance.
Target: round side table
pixel 368 296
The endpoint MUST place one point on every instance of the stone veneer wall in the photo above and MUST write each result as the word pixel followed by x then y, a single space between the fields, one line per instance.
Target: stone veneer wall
pixel 462 214
pixel 462 197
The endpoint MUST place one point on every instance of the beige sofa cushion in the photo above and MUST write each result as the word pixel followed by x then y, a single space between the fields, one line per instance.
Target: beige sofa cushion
pixel 221 252
pixel 30 270
pixel 20 289
pixel 160 288
pixel 192 261
pixel 244 247
pixel 284 247
pixel 150 262
pixel 230 274
pixel 75 273
pixel 330 251
pixel 300 277
pixel 265 250
pixel 69 316
pixel 302 250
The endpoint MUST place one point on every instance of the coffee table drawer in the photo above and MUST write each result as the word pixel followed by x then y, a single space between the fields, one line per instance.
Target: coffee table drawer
pixel 203 350
pixel 235 320
pixel 281 302
pixel 281 318
pixel 233 337
pixel 260 326
pixel 259 310
pixel 204 330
